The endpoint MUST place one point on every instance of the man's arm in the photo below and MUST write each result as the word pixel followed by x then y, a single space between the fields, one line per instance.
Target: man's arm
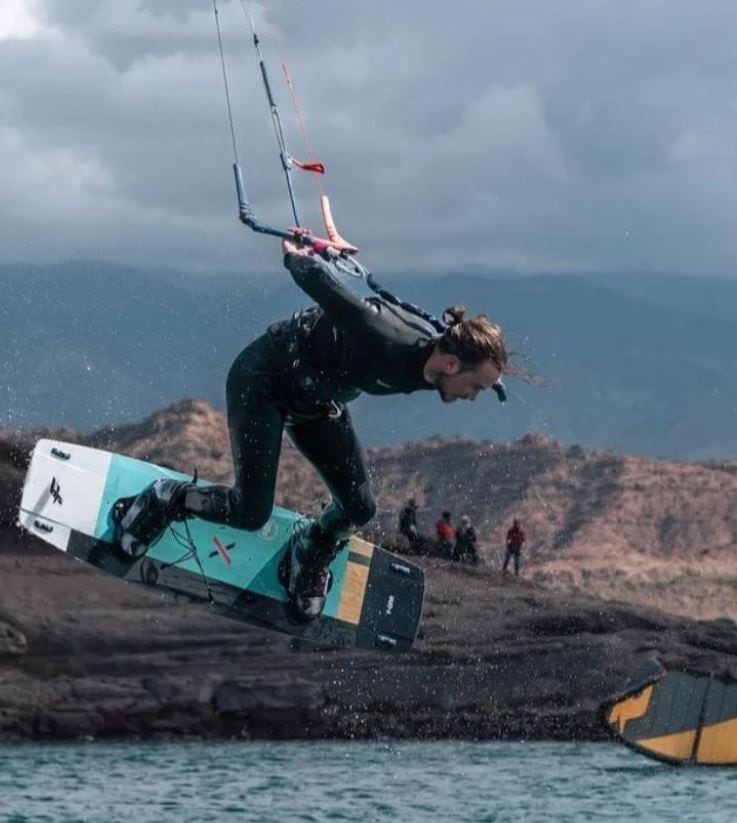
pixel 314 277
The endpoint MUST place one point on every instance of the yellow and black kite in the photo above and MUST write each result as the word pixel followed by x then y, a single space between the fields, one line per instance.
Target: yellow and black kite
pixel 676 716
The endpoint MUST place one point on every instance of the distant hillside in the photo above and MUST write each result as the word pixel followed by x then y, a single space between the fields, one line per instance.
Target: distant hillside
pixel 642 365
pixel 649 532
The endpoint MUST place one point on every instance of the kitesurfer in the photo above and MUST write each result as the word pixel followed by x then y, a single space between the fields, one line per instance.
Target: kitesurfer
pixel 299 376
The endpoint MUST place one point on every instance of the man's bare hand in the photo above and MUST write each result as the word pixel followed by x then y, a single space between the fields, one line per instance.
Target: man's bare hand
pixel 290 246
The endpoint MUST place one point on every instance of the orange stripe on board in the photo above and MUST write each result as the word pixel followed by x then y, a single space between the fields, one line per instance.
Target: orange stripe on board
pixel 353 593
pixel 362 547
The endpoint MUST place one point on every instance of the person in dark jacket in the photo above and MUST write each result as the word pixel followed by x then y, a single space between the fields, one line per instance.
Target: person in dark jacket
pixel 466 547
pixel 408 523
pixel 515 540
pixel 299 376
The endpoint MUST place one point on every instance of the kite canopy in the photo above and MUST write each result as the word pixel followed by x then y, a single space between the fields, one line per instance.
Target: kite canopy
pixel 676 716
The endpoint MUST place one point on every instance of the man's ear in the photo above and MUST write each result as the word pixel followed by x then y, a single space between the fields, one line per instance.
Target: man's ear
pixel 453 365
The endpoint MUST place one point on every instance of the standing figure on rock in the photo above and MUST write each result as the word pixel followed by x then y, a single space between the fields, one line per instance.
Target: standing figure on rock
pixel 408 524
pixel 515 540
pixel 299 376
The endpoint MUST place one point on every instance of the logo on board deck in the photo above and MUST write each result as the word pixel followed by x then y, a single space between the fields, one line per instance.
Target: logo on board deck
pixel 222 549
pixel 55 490
pixel 389 605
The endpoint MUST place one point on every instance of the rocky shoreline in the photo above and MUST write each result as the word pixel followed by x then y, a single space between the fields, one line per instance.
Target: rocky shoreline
pixel 85 656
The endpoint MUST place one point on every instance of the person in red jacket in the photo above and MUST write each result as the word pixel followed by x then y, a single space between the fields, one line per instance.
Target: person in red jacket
pixel 446 535
pixel 515 541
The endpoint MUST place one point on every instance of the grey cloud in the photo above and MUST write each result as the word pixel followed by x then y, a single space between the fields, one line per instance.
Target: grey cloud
pixel 561 135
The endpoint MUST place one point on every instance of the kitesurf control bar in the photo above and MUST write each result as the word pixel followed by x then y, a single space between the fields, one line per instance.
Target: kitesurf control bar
pixel 334 247
pixel 341 258
pixel 247 216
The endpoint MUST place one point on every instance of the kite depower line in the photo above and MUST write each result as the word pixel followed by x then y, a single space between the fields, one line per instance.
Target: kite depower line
pixel 333 245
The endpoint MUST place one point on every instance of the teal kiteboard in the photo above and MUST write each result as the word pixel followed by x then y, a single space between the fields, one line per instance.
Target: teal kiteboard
pixel 375 601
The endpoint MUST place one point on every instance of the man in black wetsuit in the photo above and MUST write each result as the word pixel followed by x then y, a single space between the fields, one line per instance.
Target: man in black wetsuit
pixel 299 376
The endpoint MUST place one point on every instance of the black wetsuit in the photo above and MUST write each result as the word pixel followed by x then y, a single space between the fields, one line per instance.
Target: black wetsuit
pixel 408 524
pixel 466 547
pixel 299 375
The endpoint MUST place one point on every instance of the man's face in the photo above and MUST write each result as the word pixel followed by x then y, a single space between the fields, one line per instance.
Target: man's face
pixel 459 383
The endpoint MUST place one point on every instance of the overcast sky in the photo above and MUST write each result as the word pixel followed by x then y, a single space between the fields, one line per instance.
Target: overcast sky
pixel 545 135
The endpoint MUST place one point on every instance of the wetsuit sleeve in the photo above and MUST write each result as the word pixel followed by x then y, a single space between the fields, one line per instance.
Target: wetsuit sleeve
pixel 317 281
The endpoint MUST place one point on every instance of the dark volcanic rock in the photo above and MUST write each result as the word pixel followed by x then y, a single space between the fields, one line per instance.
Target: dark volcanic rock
pixel 497 658
pixel 83 655
pixel 12 642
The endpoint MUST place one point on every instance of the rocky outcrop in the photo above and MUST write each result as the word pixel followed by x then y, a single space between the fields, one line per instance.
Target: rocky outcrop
pixel 496 658
pixel 650 532
pixel 83 655
pixel 12 642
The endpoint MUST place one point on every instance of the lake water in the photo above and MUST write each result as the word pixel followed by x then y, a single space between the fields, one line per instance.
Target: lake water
pixel 202 781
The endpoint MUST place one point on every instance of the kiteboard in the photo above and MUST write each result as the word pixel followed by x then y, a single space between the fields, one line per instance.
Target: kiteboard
pixel 375 601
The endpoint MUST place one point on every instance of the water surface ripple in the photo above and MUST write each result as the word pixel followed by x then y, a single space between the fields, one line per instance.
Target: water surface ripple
pixel 202 781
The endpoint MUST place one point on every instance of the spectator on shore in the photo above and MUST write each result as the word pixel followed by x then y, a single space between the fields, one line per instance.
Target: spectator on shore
pixel 515 540
pixel 466 548
pixel 446 535
pixel 408 524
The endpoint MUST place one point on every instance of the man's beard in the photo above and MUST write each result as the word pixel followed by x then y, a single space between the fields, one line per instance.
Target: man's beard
pixel 444 396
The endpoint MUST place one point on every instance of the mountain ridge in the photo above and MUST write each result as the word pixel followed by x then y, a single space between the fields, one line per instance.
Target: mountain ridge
pixel 645 531
pixel 109 345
